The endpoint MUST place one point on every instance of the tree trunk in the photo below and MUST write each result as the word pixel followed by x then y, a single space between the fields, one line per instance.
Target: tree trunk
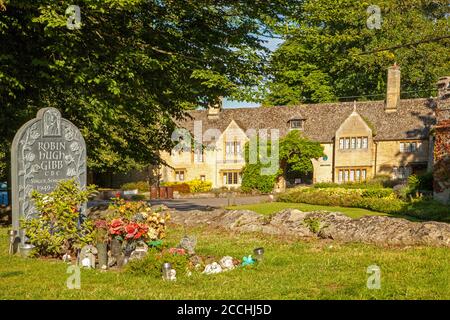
pixel 281 180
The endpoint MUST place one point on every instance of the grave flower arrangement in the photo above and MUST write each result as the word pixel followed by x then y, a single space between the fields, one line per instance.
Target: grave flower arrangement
pixel 131 222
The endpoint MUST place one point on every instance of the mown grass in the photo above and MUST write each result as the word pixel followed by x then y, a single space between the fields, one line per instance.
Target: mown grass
pixel 273 207
pixel 292 270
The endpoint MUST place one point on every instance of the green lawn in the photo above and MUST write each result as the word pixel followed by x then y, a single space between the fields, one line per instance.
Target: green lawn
pixel 272 207
pixel 292 270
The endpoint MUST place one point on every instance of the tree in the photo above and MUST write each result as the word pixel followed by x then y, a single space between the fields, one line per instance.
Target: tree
pixel 295 154
pixel 132 68
pixel 334 49
pixel 252 174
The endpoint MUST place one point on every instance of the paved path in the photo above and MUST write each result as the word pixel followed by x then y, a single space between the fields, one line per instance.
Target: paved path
pixel 204 203
pixel 199 204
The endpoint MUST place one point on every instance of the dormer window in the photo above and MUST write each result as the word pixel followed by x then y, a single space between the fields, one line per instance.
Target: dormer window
pixel 296 123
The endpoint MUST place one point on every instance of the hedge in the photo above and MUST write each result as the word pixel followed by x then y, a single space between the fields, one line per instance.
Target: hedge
pixel 381 200
pixel 192 186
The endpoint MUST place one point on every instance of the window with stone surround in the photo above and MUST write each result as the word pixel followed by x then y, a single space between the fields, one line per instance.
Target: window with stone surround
pixel 199 156
pixel 179 175
pixel 401 172
pixel 296 123
pixel 354 174
pixel 353 143
pixel 233 148
pixel 231 177
pixel 410 146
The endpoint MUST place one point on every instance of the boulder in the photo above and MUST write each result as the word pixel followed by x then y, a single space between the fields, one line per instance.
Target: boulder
pixel 379 230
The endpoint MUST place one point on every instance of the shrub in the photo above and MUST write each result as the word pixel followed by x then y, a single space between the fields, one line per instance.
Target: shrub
pixel 57 229
pixel 423 208
pixel 377 193
pixel 390 205
pixel 180 187
pixel 138 197
pixel 252 179
pixel 381 200
pixel 151 264
pixel 314 224
pixel 420 182
pixel 198 185
pixel 142 186
pixel 192 186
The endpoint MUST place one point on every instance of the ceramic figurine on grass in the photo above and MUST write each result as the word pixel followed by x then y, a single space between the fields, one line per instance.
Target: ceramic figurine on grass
pixel 248 261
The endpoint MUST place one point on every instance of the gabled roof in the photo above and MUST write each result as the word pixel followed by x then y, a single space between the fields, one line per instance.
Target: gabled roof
pixel 412 120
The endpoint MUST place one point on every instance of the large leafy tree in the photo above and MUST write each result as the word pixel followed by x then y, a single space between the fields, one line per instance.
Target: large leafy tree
pixel 334 50
pixel 131 69
pixel 295 152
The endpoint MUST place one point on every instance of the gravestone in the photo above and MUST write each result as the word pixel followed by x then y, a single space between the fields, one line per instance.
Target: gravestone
pixel 45 150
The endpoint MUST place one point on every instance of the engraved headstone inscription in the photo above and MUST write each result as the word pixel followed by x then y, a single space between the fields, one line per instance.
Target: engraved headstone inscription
pixel 45 150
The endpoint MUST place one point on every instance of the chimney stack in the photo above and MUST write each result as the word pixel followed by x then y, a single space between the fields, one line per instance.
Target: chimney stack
pixel 393 89
pixel 214 109
pixel 443 86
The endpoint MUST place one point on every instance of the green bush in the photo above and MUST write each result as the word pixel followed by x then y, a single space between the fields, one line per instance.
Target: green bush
pixel 138 197
pixel 313 224
pixel 386 205
pixel 252 179
pixel 428 209
pixel 142 186
pixel 422 182
pixel 377 193
pixel 151 264
pixel 381 200
pixel 56 230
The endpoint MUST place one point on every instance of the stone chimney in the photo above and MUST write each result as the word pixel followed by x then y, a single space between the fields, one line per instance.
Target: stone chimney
pixel 393 89
pixel 443 86
pixel 215 109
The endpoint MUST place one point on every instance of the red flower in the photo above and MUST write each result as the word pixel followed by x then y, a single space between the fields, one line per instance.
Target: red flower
pixel 101 224
pixel 131 229
pixel 143 229
pixel 116 226
pixel 179 251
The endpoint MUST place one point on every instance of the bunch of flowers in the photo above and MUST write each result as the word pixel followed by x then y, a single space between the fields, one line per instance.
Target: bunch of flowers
pixel 177 251
pixel 128 230
pixel 136 221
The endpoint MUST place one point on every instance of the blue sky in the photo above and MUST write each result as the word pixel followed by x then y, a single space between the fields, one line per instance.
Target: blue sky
pixel 271 44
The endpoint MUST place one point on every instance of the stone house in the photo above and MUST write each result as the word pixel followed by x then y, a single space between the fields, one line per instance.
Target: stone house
pixel 360 139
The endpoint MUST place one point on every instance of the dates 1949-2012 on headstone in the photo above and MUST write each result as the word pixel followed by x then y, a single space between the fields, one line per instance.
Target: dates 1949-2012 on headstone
pixel 45 150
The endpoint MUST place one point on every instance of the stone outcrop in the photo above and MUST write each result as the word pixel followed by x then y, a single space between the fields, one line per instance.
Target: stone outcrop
pixel 379 230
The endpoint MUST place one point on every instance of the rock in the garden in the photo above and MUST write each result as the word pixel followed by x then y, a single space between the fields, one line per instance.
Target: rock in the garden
pixel 333 225
pixel 196 261
pixel 137 254
pixel 86 262
pixel 188 243
pixel 111 261
pixel 212 268
pixel 227 263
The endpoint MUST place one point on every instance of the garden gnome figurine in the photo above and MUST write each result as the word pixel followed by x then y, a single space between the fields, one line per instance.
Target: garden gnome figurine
pixel 87 256
pixel 173 275
pixel 188 243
